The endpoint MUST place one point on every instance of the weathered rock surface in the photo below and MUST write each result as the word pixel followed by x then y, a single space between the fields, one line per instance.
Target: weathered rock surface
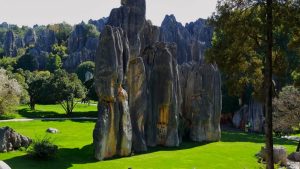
pixel 81 47
pixel 113 132
pixel 9 44
pixel 250 114
pixel 149 35
pixel 163 95
pixel 280 155
pixel 3 165
pixel 131 18
pixel 191 40
pixel 46 39
pixel 100 24
pixel 201 93
pixel 136 81
pixel 130 59
pixel 295 156
pixel 30 37
pixel 10 140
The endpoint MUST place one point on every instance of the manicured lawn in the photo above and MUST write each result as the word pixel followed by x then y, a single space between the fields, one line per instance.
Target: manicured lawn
pixel 235 151
pixel 56 111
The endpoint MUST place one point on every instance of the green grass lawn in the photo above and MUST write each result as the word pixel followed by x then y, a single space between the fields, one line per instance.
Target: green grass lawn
pixel 56 111
pixel 235 151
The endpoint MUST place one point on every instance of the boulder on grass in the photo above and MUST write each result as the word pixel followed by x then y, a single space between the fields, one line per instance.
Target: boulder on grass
pixel 294 156
pixel 10 140
pixel 52 130
pixel 280 155
pixel 3 165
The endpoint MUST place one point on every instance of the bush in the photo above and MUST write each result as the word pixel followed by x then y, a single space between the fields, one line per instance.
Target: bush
pixel 43 148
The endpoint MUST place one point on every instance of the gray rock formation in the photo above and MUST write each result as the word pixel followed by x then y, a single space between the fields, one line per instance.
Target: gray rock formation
pixel 30 38
pixel 113 132
pixel 130 59
pixel 163 95
pixel 295 156
pixel 81 47
pixel 191 40
pixel 131 18
pixel 201 108
pixel 100 24
pixel 10 140
pixel 46 39
pixel 149 35
pixel 251 115
pixel 136 81
pixel 9 44
pixel 280 155
pixel 200 31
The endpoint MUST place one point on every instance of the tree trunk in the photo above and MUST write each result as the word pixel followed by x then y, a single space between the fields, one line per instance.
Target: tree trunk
pixel 268 88
pixel 298 147
pixel 32 104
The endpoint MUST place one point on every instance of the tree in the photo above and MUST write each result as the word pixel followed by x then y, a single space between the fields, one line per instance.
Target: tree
pixel 269 87
pixel 28 62
pixel 66 87
pixel 62 31
pixel 37 83
pixel 84 69
pixel 240 41
pixel 286 112
pixel 10 92
pixel 60 50
pixel 53 62
pixel 8 63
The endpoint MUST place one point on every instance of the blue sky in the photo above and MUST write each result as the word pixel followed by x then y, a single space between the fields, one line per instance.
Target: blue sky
pixel 30 12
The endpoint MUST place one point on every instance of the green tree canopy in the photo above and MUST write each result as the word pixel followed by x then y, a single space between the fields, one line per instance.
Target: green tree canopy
pixel 239 43
pixel 66 87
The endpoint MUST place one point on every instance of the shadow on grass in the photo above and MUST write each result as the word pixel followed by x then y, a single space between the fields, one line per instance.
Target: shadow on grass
pixel 252 137
pixel 27 113
pixel 65 159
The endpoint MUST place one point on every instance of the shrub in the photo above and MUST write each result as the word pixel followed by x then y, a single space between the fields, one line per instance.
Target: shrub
pixel 43 148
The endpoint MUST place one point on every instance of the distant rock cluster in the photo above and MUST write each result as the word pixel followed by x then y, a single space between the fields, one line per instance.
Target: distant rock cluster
pixel 153 85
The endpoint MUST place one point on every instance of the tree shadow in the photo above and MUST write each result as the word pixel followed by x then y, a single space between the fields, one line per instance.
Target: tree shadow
pixel 253 138
pixel 27 113
pixel 65 158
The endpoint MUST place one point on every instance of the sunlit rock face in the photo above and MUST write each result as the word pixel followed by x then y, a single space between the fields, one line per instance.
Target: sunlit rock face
pixel 136 81
pixel 163 95
pixel 113 132
pixel 201 93
pixel 131 18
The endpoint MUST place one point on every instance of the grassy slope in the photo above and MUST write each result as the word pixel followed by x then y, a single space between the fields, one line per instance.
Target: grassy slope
pixel 235 151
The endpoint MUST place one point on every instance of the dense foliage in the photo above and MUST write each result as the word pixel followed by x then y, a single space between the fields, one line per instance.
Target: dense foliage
pixel 239 43
pixel 10 93
pixel 287 110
